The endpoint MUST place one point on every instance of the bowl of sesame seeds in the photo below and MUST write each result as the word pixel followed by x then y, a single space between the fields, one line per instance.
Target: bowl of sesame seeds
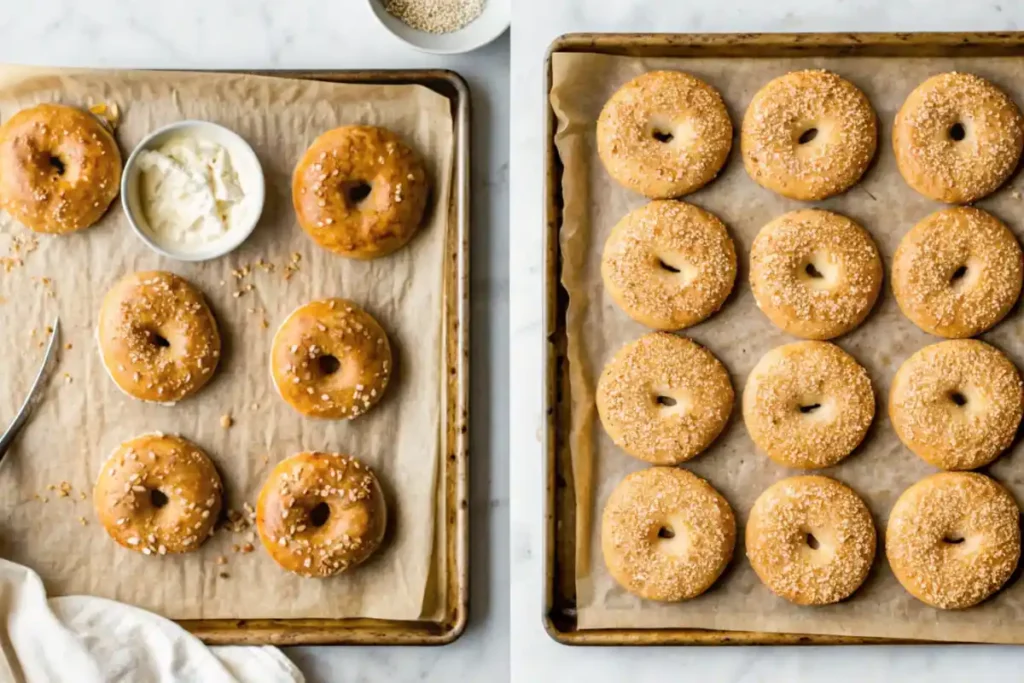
pixel 444 27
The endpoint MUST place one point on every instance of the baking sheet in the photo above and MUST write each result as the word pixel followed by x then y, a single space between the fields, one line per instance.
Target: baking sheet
pixel 739 335
pixel 85 416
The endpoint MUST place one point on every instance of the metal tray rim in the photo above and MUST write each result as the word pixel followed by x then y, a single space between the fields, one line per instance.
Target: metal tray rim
pixel 562 627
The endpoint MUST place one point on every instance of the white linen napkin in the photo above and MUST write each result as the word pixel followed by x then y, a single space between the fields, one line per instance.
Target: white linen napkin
pixel 83 639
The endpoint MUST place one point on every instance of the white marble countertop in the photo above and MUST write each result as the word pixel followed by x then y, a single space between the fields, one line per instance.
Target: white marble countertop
pixel 535 657
pixel 281 34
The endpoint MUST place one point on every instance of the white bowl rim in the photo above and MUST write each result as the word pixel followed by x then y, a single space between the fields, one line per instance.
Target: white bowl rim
pixel 377 6
pixel 223 249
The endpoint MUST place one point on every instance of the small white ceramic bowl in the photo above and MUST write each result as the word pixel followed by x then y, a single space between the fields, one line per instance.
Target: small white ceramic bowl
pixel 245 164
pixel 491 23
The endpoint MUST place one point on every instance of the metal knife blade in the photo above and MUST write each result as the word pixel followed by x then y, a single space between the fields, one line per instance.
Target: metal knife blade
pixel 34 394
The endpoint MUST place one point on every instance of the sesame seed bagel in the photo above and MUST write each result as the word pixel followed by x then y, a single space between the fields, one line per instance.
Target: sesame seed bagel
pixel 157 337
pixel 664 399
pixel 664 134
pixel 811 540
pixel 158 494
pixel 60 168
pixel 815 274
pixel 331 359
pixel 360 192
pixel 808 135
pixel 958 272
pixel 319 514
pixel 957 138
pixel 957 404
pixel 666 534
pixel 808 404
pixel 953 539
pixel 669 264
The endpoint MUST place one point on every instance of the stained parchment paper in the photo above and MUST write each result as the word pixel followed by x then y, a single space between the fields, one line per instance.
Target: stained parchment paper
pixel 84 415
pixel 740 334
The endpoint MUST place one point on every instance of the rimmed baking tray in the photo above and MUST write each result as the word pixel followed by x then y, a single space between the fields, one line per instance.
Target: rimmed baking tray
pixel 560 616
pixel 455 469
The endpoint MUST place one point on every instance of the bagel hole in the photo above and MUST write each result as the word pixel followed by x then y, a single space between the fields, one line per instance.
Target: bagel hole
pixel 666 532
pixel 807 136
pixel 669 268
pixel 958 398
pixel 319 515
pixel 328 364
pixel 957 132
pixel 809 409
pixel 158 340
pixel 812 271
pixel 356 191
pixel 158 498
pixel 57 164
pixel 958 274
pixel 953 539
pixel 812 542
pixel 662 136
pixel 667 401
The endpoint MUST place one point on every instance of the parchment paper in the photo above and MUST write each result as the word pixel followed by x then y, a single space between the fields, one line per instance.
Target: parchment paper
pixel 740 334
pixel 84 415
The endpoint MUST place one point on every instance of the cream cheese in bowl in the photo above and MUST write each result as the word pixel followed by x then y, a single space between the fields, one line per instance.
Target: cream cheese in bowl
pixel 193 190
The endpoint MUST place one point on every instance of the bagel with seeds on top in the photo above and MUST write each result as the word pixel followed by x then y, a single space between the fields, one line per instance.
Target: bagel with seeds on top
pixel 664 399
pixel 808 135
pixel 669 265
pixel 664 134
pixel 815 274
pixel 957 138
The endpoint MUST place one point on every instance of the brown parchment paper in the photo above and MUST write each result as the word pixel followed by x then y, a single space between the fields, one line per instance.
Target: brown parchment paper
pixel 84 415
pixel 739 335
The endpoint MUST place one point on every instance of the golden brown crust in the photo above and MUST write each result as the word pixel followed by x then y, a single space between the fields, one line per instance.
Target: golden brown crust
pixel 815 274
pixel 158 338
pixel 667 534
pixel 158 494
pixel 320 514
pixel 828 161
pixel 664 134
pixel 331 359
pixel 669 264
pixel 664 398
pixel 330 185
pixel 808 404
pixel 811 540
pixel 958 272
pixel 60 168
pixel 957 404
pixel 946 169
pixel 953 539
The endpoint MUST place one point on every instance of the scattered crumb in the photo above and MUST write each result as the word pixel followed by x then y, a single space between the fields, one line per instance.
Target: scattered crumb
pixel 224 575
pixel 47 284
pixel 82 495
pixel 68 346
pixel 67 378
pixel 247 548
pixel 81 520
pixel 222 560
pixel 226 421
pixel 234 548
pixel 1015 194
